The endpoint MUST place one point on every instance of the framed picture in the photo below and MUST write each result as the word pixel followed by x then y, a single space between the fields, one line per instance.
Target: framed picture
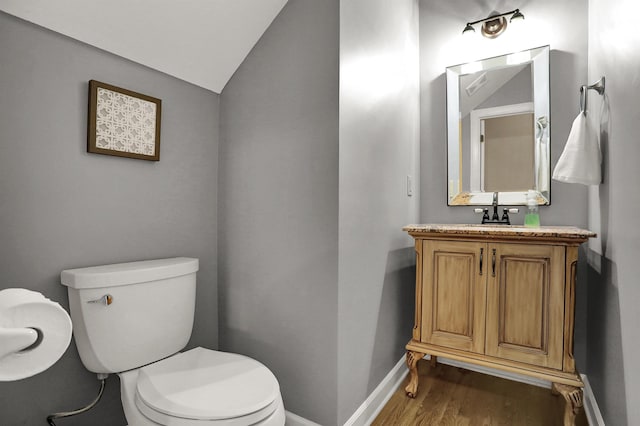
pixel 123 123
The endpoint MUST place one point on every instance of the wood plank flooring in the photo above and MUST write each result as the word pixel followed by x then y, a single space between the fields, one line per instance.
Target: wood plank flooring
pixel 454 396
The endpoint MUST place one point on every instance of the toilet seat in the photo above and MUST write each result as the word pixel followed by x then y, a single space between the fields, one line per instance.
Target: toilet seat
pixel 205 387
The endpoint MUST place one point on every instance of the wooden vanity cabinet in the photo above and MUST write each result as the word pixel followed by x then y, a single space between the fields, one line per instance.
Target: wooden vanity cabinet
pixel 500 297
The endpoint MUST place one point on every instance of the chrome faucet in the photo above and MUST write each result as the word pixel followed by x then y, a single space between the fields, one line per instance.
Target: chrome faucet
pixel 495 207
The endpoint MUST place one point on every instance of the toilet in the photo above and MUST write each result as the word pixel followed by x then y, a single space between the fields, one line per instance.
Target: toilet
pixel 134 319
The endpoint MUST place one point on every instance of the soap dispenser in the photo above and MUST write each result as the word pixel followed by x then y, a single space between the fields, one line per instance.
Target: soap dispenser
pixel 532 218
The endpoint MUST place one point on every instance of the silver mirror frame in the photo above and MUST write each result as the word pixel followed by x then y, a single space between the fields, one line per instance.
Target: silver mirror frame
pixel 539 60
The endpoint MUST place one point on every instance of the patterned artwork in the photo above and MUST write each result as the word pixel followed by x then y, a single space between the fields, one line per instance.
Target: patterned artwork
pixel 123 123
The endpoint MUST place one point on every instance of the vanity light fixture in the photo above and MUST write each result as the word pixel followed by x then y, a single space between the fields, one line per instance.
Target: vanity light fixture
pixel 493 25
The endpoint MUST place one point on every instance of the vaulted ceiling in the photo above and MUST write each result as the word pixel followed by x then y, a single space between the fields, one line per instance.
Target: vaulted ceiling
pixel 199 41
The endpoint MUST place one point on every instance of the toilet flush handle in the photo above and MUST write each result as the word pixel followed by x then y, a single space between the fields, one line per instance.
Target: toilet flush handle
pixel 107 299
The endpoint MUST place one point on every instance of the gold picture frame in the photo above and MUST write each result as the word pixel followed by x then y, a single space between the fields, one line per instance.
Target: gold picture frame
pixel 123 123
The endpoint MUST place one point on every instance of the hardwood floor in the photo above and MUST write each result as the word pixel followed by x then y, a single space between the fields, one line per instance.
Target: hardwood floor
pixel 455 396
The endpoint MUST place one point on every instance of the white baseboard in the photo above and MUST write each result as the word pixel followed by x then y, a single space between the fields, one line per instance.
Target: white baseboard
pixel 591 409
pixel 371 407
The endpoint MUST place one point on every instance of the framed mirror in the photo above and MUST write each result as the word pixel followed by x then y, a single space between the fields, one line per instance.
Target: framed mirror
pixel 498 129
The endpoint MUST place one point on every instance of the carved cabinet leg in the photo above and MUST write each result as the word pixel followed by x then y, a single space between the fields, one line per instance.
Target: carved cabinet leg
pixel 412 361
pixel 573 398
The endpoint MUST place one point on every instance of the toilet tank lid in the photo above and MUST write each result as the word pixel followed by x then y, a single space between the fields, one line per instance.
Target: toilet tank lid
pixel 128 273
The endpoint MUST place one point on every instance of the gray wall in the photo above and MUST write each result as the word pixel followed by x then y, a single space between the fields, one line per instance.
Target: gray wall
pixel 61 207
pixel 281 300
pixel 379 143
pixel 563 26
pixel 278 207
pixel 614 293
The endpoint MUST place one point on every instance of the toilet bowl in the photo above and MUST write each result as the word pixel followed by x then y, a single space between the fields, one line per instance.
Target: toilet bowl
pixel 133 319
pixel 202 387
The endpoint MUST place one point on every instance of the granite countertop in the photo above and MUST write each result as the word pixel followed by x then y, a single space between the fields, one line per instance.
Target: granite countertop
pixel 565 232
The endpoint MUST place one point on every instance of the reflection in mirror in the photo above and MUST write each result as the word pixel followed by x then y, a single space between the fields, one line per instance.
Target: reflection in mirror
pixel 498 129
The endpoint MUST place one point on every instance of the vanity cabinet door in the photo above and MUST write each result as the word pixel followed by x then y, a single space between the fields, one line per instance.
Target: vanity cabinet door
pixel 454 294
pixel 525 303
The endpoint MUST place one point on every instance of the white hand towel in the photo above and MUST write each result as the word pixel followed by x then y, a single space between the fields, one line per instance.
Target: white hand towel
pixel 581 158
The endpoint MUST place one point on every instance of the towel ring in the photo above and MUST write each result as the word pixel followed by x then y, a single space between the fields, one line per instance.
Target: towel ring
pixel 598 86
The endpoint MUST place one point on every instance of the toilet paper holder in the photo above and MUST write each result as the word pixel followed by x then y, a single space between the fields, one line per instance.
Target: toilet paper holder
pixel 34 333
pixel 19 339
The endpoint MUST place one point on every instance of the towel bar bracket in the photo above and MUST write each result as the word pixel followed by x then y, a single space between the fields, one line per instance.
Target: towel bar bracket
pixel 598 86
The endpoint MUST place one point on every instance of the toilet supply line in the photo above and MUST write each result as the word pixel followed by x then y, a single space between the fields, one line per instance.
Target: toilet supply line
pixel 51 417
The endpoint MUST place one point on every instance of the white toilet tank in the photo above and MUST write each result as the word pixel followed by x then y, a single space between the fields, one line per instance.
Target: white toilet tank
pixel 128 315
